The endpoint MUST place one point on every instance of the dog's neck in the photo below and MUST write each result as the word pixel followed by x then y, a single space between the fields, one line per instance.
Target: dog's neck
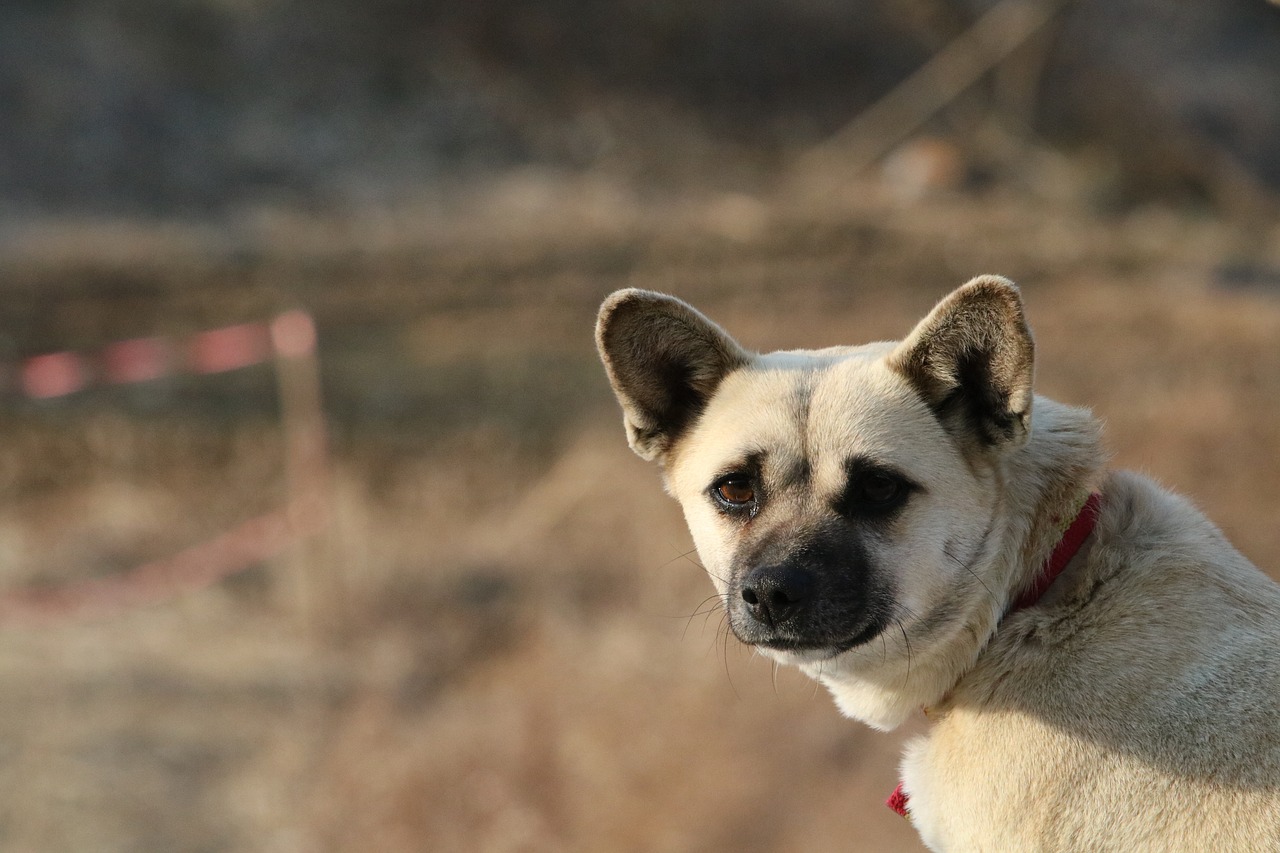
pixel 1039 485
pixel 1044 485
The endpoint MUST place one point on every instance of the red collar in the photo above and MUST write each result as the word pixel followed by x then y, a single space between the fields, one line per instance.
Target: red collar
pixel 1068 546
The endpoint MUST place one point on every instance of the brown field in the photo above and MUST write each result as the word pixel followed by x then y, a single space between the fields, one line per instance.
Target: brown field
pixel 501 642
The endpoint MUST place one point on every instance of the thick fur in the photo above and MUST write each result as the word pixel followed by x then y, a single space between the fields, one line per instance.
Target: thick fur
pixel 869 513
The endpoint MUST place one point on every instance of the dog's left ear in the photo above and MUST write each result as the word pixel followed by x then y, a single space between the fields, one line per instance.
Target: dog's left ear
pixel 972 360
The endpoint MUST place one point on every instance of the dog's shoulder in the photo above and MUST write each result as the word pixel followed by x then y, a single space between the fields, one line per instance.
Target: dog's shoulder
pixel 1158 561
pixel 1161 604
pixel 1149 674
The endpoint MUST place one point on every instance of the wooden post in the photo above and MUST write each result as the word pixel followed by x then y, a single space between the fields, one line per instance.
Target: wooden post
pixel 313 579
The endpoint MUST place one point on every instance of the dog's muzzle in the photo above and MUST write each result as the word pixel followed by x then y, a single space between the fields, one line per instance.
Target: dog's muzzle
pixel 821 598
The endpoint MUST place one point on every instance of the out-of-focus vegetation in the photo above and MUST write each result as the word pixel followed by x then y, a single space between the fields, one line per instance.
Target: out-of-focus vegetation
pixel 502 640
pixel 203 107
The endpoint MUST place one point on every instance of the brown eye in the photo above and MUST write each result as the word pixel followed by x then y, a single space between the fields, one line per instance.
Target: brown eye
pixel 880 489
pixel 735 491
pixel 873 491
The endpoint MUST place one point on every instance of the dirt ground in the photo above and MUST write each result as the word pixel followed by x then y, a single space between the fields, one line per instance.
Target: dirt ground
pixel 501 641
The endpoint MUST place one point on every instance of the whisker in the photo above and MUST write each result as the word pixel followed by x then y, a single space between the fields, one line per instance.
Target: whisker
pixel 723 581
pixel 724 632
pixel 709 613
pixel 700 611
pixel 687 556
pixel 977 553
pixel 682 556
pixel 907 642
pixel 689 559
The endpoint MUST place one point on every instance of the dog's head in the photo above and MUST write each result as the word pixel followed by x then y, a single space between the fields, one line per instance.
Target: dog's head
pixel 840 496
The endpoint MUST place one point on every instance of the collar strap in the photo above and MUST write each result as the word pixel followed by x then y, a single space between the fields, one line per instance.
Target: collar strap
pixel 1068 546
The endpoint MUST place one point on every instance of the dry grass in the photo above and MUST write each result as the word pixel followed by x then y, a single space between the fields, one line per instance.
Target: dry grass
pixel 502 642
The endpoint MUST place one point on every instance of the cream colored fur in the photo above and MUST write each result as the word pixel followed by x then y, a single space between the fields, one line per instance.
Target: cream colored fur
pixel 1136 706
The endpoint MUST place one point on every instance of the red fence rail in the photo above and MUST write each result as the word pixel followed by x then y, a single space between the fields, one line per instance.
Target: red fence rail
pixel 289 342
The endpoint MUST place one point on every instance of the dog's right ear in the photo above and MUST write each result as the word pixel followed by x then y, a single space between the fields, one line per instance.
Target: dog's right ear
pixel 664 360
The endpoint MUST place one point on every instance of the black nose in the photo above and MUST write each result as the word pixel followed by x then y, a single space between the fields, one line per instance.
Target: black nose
pixel 774 594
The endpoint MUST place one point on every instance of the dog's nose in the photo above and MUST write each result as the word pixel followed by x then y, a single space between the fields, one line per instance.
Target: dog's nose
pixel 774 594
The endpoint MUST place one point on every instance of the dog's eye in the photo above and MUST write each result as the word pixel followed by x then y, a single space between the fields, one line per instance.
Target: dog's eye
pixel 873 492
pixel 735 491
pixel 879 489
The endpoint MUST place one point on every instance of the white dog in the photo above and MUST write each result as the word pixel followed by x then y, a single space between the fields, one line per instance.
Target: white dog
pixel 909 525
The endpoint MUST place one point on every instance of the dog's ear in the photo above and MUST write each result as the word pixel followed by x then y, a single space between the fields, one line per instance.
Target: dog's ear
pixel 972 360
pixel 664 360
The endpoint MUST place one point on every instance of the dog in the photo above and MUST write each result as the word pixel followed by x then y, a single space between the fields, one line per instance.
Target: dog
pixel 913 527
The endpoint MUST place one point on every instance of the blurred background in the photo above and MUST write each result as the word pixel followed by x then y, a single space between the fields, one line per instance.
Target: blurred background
pixel 318 528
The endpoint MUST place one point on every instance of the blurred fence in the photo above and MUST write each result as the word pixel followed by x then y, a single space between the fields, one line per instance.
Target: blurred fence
pixel 288 342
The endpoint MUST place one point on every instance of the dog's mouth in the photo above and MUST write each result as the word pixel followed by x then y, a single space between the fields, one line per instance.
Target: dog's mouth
pixel 817 647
